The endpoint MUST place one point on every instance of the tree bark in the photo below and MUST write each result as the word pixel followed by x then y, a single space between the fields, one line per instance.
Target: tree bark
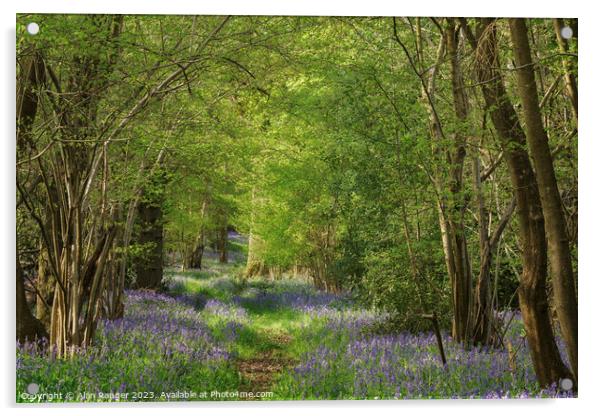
pixel 222 243
pixel 450 209
pixel 196 257
pixel 65 171
pixel 255 265
pixel 28 327
pixel 558 243
pixel 533 301
pixel 45 289
pixel 149 268
pixel 31 77
pixel 462 282
pixel 482 319
pixel 569 75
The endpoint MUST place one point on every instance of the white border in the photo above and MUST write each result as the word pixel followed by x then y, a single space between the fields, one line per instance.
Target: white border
pixel 590 200
pixel 507 8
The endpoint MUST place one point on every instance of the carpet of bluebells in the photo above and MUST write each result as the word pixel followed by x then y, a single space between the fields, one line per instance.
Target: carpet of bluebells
pixel 349 362
pixel 162 344
pixel 191 337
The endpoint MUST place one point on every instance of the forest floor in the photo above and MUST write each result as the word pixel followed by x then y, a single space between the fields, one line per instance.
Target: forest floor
pixel 215 336
pixel 259 371
pixel 301 343
pixel 263 349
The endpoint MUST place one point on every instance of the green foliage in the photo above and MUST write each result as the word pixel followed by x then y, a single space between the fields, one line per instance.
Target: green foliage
pixel 310 134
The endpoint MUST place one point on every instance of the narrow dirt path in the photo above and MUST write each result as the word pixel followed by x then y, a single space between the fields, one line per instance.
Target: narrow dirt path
pixel 259 372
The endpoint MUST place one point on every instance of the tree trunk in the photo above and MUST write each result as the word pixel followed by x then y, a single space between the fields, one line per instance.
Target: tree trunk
pixel 222 244
pixel 482 294
pixel 149 268
pixel 31 77
pixel 482 319
pixel 569 76
pixel 64 171
pixel 255 266
pixel 45 289
pixel 533 301
pixel 450 208
pixel 462 283
pixel 28 327
pixel 196 258
pixel 558 244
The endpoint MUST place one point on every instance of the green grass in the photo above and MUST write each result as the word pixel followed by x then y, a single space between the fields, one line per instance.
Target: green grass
pixel 256 335
pixel 249 329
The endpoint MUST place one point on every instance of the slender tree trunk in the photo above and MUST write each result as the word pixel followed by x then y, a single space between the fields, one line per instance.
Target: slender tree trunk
pixel 462 289
pixel 547 363
pixel 255 265
pixel 126 233
pixel 569 75
pixel 196 259
pixel 222 244
pixel 450 209
pixel 558 244
pixel 482 298
pixel 483 308
pixel 45 288
pixel 63 171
